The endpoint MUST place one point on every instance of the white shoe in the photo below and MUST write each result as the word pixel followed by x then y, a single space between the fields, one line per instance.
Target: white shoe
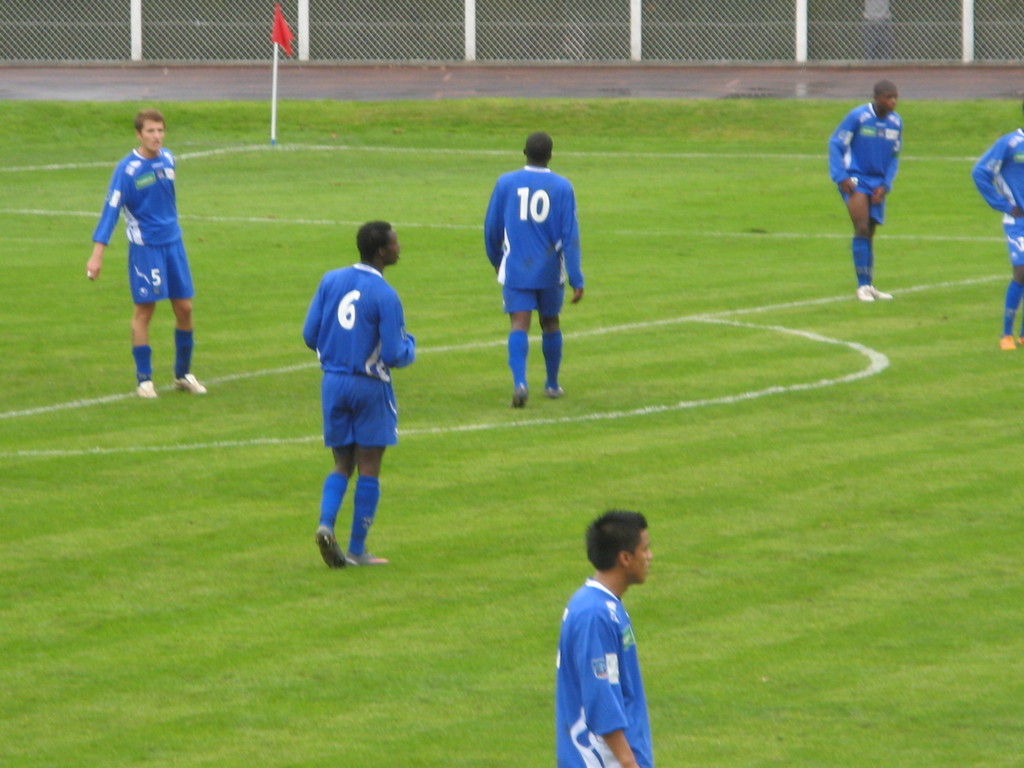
pixel 189 383
pixel 879 294
pixel 864 293
pixel 146 389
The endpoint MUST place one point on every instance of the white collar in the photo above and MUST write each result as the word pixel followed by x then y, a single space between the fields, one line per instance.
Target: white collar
pixel 368 268
pixel 598 585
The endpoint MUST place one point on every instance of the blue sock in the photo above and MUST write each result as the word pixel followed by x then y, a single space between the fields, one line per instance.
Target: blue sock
pixel 367 496
pixel 143 355
pixel 862 260
pixel 518 347
pixel 183 360
pixel 551 344
pixel 330 501
pixel 1014 291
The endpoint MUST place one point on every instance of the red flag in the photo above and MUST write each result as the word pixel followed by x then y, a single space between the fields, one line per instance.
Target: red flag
pixel 281 34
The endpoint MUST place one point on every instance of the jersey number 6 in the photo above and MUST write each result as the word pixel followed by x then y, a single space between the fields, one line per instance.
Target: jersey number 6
pixel 347 310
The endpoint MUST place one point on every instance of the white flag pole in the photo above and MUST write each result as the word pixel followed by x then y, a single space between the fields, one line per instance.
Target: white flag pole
pixel 273 101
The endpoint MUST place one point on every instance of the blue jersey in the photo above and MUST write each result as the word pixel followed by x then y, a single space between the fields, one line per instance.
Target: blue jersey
pixel 144 188
pixel 999 174
pixel 598 686
pixel 356 324
pixel 530 230
pixel 866 147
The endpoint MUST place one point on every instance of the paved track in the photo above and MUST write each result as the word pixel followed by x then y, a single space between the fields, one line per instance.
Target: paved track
pixel 375 83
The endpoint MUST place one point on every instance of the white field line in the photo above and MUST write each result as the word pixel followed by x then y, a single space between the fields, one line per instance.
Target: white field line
pixel 877 362
pixel 714 234
pixel 604 156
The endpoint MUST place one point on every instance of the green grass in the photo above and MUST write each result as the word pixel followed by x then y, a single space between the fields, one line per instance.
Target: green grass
pixel 837 575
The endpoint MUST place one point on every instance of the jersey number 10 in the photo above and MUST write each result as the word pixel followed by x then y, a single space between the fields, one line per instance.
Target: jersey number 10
pixel 534 207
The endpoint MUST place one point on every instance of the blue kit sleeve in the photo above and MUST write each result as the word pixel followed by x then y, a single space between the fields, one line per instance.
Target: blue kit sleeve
pixel 597 669
pixel 984 175
pixel 398 348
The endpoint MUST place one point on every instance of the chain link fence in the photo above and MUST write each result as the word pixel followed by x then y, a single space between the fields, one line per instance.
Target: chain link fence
pixel 444 31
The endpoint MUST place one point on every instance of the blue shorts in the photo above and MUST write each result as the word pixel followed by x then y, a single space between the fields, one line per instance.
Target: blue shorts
pixel 158 272
pixel 547 301
pixel 358 409
pixel 1015 242
pixel 876 210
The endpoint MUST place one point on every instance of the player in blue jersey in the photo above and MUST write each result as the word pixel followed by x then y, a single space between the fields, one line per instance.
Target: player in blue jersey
pixel 999 176
pixel 143 187
pixel 863 157
pixel 533 241
pixel 600 707
pixel 357 327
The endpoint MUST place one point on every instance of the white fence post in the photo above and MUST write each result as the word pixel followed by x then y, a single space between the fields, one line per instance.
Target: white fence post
pixel 968 31
pixel 801 31
pixel 470 16
pixel 136 24
pixel 303 30
pixel 636 33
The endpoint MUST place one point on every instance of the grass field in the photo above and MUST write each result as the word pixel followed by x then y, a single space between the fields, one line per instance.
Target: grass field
pixel 833 487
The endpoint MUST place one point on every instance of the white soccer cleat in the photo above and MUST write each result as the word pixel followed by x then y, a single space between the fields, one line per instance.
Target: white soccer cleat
pixel 879 294
pixel 189 383
pixel 146 390
pixel 864 293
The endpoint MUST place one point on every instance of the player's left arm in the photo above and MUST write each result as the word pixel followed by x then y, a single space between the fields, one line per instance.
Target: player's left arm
pixel 571 252
pixel 617 743
pixel 984 175
pixel 397 347
pixel 894 162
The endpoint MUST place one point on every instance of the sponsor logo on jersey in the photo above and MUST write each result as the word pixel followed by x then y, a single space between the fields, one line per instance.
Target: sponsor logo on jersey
pixel 628 638
pixel 868 130
pixel 145 180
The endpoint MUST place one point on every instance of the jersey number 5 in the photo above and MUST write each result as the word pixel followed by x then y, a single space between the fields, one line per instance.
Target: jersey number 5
pixel 347 310
pixel 534 207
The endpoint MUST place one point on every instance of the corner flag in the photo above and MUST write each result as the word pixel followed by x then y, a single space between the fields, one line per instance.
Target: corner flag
pixel 281 36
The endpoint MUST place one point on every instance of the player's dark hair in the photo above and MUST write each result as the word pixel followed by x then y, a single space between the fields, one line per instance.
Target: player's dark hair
pixel 615 531
pixel 885 86
pixel 538 148
pixel 153 115
pixel 372 236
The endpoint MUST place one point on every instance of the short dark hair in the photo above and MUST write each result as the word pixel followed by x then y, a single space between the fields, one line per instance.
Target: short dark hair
pixel 372 236
pixel 615 531
pixel 153 115
pixel 538 148
pixel 885 86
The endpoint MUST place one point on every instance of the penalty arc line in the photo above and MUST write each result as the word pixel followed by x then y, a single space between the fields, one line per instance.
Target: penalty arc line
pixel 86 403
pixel 877 362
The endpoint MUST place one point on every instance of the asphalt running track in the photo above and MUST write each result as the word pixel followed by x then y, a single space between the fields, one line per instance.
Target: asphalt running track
pixel 250 82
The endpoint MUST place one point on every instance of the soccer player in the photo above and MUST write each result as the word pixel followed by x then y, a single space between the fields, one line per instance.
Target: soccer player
pixel 600 708
pixel 999 177
pixel 143 186
pixel 863 157
pixel 532 240
pixel 356 325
